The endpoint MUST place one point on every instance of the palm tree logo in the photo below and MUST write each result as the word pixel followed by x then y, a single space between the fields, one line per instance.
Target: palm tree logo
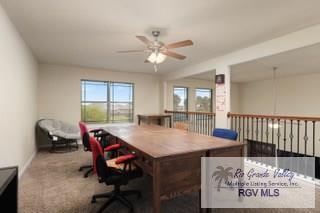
pixel 222 174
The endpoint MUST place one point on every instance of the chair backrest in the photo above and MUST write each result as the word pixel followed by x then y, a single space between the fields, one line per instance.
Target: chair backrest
pixel 96 150
pixel 181 125
pixel 102 168
pixel 86 141
pixel 85 136
pixel 83 128
pixel 225 133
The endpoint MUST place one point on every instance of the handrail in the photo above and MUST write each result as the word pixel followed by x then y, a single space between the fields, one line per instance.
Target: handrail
pixel 275 117
pixel 189 113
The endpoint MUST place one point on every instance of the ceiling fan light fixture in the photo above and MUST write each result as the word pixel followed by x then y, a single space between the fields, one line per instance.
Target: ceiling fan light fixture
pixel 156 58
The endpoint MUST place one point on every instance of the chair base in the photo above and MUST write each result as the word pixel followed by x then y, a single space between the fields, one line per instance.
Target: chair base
pixel 90 170
pixel 116 195
pixel 64 145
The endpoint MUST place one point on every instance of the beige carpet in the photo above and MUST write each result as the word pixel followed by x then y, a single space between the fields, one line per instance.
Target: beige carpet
pixel 52 183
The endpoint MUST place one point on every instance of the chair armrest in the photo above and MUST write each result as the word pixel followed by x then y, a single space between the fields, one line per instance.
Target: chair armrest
pixel 112 147
pixel 102 134
pixel 96 130
pixel 125 159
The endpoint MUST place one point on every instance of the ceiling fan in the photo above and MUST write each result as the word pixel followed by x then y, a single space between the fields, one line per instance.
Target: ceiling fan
pixel 158 51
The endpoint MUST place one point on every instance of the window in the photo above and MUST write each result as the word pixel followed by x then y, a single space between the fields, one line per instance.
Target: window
pixel 204 100
pixel 180 98
pixel 104 101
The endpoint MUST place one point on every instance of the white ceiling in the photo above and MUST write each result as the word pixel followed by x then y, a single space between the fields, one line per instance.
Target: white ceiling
pixel 209 76
pixel 296 62
pixel 88 33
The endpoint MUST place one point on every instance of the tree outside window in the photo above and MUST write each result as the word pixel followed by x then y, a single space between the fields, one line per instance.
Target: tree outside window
pixel 203 100
pixel 180 99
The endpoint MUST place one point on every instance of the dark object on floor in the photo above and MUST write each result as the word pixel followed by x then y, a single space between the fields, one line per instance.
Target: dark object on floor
pixel 113 176
pixel 63 136
pixel 9 189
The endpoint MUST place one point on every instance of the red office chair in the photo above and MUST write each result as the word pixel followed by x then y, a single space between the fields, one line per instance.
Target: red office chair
pixel 100 135
pixel 114 176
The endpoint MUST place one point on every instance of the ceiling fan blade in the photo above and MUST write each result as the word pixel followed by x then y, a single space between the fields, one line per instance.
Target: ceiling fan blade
pixel 143 39
pixel 179 44
pixel 173 55
pixel 130 51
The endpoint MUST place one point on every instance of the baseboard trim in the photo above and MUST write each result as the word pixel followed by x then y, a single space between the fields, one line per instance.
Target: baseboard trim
pixel 26 165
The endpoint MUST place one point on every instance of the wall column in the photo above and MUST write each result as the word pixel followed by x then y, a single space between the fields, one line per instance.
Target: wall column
pixel 164 97
pixel 223 97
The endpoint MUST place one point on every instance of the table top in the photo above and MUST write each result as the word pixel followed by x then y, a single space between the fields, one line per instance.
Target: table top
pixel 157 141
pixel 154 115
pixel 6 175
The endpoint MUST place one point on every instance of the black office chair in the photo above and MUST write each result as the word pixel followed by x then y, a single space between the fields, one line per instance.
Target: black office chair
pixel 101 136
pixel 113 176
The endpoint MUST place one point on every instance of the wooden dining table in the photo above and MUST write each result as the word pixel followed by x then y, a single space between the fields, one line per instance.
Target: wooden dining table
pixel 172 157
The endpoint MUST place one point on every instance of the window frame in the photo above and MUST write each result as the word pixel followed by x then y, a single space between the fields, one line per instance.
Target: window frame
pixel 108 102
pixel 211 93
pixel 187 96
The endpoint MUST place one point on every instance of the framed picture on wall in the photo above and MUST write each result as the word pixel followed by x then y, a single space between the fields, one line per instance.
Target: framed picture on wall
pixel 219 79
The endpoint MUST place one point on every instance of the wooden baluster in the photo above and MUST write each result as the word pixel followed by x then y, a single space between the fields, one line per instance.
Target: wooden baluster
pixel 243 128
pixel 257 129
pixel 279 134
pixel 231 117
pixel 314 137
pixel 272 129
pixel 262 130
pixel 248 131
pixel 284 135
pixel 291 136
pixel 208 129
pixel 252 129
pixel 298 136
pixel 305 136
pixel 239 128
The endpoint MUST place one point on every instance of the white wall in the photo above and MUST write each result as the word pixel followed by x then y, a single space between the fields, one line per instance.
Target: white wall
pixel 59 90
pixel 297 95
pixel 18 92
pixel 235 97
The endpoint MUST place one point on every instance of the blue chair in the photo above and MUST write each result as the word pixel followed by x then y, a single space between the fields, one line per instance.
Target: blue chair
pixel 225 133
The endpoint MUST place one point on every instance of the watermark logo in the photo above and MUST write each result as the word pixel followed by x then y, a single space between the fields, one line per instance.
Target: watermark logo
pixel 222 174
pixel 257 183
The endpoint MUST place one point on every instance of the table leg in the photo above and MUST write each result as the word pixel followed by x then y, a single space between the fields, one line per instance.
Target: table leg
pixel 156 188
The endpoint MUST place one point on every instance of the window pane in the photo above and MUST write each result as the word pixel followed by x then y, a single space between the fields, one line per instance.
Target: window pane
pixel 121 92
pixel 203 100
pixel 94 91
pixel 96 97
pixel 180 98
pixel 121 112
pixel 94 112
